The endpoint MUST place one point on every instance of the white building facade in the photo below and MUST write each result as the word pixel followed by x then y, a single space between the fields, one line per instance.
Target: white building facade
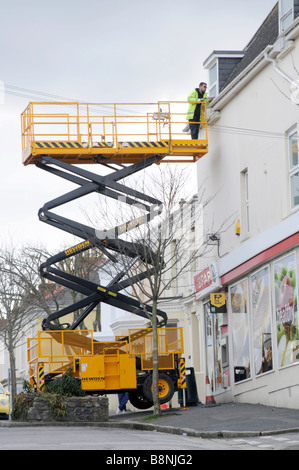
pixel 250 351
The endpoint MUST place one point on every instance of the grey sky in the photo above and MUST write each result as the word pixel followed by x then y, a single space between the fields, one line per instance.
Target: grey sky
pixel 101 51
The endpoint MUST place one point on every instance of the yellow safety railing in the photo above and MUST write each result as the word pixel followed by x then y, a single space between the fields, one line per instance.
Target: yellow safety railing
pixel 105 122
pixel 57 350
pixel 170 342
pixel 111 127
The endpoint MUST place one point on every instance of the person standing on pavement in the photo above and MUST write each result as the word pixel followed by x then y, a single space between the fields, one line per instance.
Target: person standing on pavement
pixel 196 97
pixel 122 402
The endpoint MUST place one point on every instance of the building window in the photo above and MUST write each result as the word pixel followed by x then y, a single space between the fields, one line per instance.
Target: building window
pixel 171 225
pixel 173 263
pixel 240 331
pixel 220 65
pixel 286 13
pixel 293 168
pixel 262 323
pixel 213 80
pixel 245 201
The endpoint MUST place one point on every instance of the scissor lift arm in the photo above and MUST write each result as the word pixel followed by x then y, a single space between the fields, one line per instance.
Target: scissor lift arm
pixel 107 241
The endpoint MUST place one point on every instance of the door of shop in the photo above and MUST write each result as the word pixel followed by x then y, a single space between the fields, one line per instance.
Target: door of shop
pixel 216 348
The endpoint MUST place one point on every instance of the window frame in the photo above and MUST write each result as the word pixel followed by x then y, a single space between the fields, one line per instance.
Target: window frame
pixel 266 268
pixel 247 322
pixel 245 208
pixel 292 170
pixel 214 84
pixel 285 16
pixel 276 261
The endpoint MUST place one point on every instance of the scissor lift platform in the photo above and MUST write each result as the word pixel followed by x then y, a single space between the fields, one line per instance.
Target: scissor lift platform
pixel 123 133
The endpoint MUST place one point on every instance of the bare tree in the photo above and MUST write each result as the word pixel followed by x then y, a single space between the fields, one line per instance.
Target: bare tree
pixel 47 296
pixel 84 265
pixel 167 245
pixel 16 309
pixel 26 297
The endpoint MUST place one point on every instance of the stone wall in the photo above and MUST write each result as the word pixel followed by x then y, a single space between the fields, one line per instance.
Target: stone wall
pixel 76 409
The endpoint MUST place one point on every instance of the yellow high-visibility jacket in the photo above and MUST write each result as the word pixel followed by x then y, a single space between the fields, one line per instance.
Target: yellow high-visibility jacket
pixel 194 100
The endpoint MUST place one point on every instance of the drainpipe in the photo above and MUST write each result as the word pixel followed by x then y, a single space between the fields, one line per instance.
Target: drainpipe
pixel 278 70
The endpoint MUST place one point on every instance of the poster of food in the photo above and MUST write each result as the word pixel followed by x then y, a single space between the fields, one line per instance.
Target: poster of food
pixel 262 327
pixel 286 309
pixel 240 331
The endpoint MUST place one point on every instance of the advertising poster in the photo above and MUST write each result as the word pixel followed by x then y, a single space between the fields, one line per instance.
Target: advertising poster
pixel 262 325
pixel 286 309
pixel 240 331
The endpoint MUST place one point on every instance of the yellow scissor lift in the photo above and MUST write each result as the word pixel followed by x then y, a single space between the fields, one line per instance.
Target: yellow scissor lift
pixel 59 137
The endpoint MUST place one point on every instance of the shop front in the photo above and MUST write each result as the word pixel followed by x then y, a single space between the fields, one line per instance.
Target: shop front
pixel 263 314
pixel 211 302
pixel 251 345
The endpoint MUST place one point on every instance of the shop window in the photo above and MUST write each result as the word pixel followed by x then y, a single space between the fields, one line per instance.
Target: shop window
pixel 240 331
pixel 262 324
pixel 224 352
pixel 293 168
pixel 286 309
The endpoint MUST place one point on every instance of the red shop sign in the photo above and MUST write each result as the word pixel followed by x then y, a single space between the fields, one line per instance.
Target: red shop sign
pixel 203 279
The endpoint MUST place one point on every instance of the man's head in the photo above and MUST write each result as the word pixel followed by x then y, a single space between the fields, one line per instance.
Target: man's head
pixel 203 87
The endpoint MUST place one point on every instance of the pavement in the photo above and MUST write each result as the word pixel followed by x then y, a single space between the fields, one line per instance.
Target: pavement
pixel 223 420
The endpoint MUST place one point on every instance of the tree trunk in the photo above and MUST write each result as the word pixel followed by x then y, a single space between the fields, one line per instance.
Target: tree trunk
pixel 156 400
pixel 13 375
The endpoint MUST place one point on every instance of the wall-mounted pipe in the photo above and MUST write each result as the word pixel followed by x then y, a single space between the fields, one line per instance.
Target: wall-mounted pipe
pixel 279 71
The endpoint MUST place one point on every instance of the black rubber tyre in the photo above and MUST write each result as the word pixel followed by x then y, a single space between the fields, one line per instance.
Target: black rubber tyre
pixel 138 400
pixel 166 388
